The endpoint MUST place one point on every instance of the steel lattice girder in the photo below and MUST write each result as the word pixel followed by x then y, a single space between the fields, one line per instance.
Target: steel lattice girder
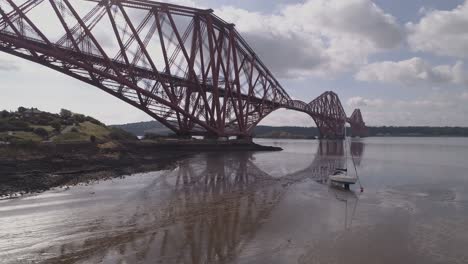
pixel 358 126
pixel 185 67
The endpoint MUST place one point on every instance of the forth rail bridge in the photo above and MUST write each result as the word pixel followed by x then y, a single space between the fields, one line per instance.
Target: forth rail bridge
pixel 185 67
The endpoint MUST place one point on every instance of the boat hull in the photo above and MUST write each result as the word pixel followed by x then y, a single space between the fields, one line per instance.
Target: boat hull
pixel 344 179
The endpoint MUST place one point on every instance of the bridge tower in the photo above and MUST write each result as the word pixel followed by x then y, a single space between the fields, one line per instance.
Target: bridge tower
pixel 358 126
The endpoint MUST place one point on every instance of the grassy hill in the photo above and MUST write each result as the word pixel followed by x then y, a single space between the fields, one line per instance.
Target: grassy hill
pixel 33 125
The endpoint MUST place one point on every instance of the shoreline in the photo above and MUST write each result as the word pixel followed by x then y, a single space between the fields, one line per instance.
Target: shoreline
pixel 382 136
pixel 31 168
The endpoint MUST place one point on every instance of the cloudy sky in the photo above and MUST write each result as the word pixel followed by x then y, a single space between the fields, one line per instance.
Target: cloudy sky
pixel 402 62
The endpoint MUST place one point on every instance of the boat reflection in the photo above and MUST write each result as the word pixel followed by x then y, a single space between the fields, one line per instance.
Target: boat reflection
pixel 350 200
pixel 357 150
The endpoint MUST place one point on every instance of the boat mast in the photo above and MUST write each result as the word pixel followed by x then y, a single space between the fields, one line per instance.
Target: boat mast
pixel 345 150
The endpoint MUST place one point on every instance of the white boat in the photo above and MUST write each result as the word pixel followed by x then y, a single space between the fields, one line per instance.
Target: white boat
pixel 341 177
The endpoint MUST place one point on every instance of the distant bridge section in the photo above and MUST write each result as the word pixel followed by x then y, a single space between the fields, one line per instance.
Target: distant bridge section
pixel 185 67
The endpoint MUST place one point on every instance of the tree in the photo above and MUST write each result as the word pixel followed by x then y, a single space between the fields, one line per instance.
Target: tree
pixel 5 126
pixel 4 114
pixel 64 113
pixel 21 109
pixel 41 132
pixel 19 125
pixel 56 125
pixel 79 118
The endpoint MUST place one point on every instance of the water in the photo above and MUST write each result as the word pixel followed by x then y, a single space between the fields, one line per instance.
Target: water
pixel 270 207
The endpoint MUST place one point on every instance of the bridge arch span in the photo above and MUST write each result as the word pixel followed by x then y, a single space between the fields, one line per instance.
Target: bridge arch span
pixel 306 116
pixel 327 113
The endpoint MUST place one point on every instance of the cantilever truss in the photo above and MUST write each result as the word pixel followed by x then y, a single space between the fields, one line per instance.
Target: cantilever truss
pixel 358 126
pixel 185 67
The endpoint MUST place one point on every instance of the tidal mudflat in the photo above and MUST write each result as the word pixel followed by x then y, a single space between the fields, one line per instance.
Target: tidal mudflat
pixel 258 207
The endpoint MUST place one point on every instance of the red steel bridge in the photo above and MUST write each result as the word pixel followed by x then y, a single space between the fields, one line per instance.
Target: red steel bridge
pixel 185 67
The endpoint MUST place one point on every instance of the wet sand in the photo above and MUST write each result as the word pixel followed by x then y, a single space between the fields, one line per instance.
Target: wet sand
pixel 270 207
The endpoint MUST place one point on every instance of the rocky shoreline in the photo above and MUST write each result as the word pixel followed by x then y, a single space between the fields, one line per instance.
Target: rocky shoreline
pixel 39 167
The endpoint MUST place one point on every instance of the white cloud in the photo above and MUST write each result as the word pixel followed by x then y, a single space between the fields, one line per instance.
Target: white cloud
pixel 436 109
pixel 358 101
pixel 361 19
pixel 317 36
pixel 314 37
pixel 412 72
pixel 441 32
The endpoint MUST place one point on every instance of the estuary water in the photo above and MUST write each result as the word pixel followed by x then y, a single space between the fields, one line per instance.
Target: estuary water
pixel 263 207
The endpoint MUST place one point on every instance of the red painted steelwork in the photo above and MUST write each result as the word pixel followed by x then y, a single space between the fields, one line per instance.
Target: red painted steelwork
pixel 358 126
pixel 185 67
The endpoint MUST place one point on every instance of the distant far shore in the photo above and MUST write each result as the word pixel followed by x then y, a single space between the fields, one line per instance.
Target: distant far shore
pixel 374 136
pixel 312 132
pixel 291 132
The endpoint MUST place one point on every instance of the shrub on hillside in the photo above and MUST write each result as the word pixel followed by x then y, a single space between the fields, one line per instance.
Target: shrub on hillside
pixel 25 143
pixel 64 113
pixel 79 118
pixel 45 119
pixel 5 126
pixel 41 121
pixel 18 125
pixel 56 125
pixel 41 132
pixel 94 121
pixel 67 122
pixel 4 114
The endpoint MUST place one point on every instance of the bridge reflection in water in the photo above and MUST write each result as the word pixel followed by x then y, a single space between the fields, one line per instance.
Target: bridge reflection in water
pixel 204 211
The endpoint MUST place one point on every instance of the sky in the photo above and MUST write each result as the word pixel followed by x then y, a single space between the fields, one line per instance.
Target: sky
pixel 401 62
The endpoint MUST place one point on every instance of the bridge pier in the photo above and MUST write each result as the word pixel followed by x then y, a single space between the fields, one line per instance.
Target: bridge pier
pixel 334 137
pixel 359 131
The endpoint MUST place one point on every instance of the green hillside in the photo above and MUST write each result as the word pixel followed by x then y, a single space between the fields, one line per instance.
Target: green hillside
pixel 34 125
